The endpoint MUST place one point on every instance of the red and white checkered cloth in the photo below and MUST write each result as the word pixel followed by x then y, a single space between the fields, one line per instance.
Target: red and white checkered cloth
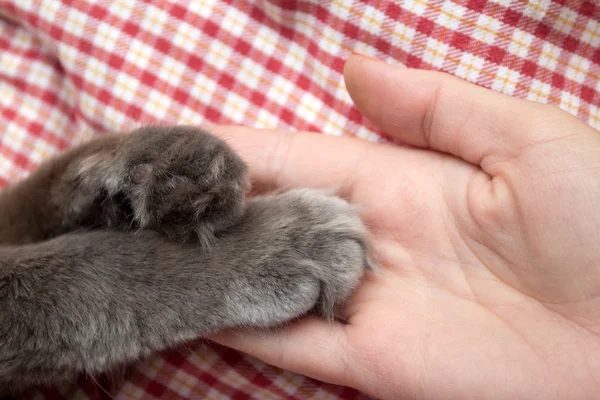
pixel 71 68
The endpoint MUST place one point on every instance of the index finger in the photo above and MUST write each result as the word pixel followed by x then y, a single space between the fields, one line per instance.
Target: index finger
pixel 279 158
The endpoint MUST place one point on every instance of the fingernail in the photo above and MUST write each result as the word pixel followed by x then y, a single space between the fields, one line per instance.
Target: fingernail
pixel 358 53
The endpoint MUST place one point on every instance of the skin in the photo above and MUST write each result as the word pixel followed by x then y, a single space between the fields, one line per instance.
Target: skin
pixel 485 221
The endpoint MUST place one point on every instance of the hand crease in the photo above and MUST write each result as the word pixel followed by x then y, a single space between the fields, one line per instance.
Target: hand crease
pixel 278 157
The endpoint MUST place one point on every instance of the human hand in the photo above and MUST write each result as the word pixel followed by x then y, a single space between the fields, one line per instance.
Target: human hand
pixel 487 234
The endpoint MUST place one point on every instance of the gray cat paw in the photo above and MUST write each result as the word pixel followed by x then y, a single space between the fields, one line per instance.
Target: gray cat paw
pixel 313 251
pixel 179 181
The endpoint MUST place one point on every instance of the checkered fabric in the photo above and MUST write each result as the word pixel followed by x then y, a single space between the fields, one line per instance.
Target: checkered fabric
pixel 71 68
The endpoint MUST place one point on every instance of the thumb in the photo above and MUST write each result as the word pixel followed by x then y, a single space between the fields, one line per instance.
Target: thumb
pixel 443 113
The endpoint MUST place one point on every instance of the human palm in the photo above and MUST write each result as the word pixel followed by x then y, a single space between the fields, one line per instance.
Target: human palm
pixel 486 231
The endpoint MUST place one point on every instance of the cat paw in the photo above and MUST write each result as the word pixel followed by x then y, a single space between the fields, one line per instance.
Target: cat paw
pixel 313 249
pixel 180 181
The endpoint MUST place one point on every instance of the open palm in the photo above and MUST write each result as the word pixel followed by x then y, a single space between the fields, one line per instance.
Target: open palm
pixel 487 234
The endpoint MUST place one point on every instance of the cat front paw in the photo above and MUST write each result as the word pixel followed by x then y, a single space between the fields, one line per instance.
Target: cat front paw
pixel 177 180
pixel 311 250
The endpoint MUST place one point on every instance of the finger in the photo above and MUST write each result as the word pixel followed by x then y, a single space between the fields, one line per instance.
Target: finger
pixel 282 159
pixel 437 111
pixel 311 347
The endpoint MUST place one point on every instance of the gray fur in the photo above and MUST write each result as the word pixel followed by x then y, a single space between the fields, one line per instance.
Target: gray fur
pixel 81 291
